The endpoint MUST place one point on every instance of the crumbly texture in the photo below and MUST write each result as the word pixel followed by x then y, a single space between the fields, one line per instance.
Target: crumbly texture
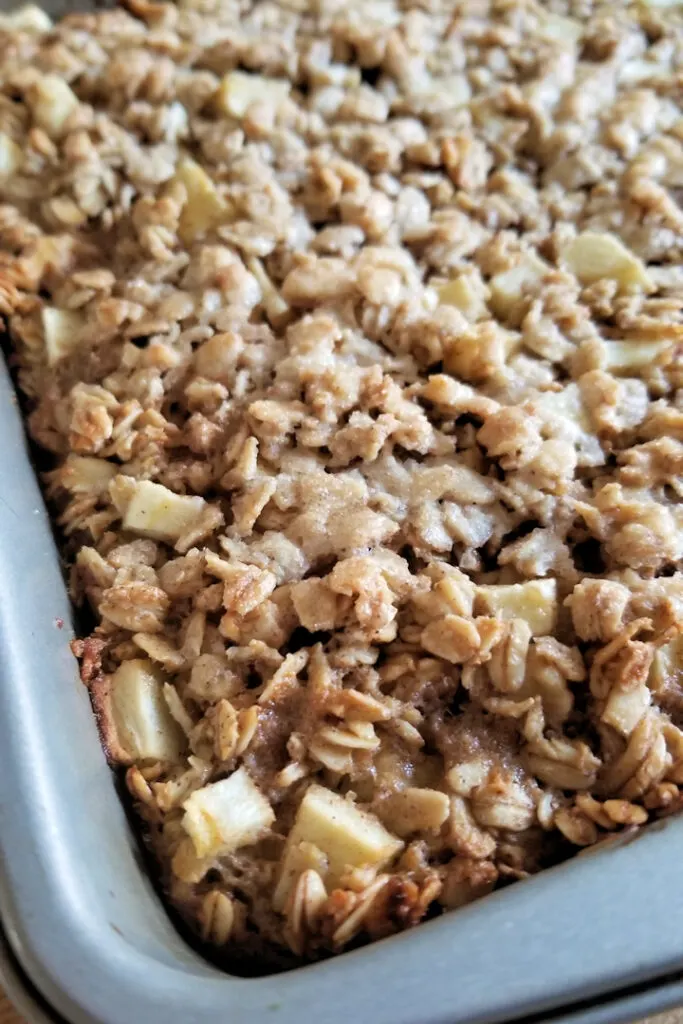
pixel 354 330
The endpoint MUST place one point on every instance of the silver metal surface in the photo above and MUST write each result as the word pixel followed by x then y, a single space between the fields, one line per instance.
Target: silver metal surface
pixel 20 992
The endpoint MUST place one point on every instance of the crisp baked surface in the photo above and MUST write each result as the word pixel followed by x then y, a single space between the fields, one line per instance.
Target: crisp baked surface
pixel 354 331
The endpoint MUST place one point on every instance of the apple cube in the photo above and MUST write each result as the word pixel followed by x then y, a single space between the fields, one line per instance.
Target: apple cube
pixel 625 708
pixel 225 815
pixel 347 836
pixel 238 90
pixel 416 810
pixel 632 356
pixel 297 859
pixel 507 287
pixel 27 19
pixel 144 726
pixel 594 255
pixel 535 602
pixel 468 294
pixel 447 92
pixel 556 26
pixel 155 511
pixel 11 156
pixel 52 102
pixel 667 666
pixel 204 207
pixel 83 474
pixel 61 331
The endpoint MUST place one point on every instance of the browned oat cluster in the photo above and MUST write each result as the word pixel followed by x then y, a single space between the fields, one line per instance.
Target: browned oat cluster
pixel 354 328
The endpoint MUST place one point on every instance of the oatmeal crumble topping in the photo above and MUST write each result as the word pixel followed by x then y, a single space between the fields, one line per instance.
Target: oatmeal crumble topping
pixel 354 330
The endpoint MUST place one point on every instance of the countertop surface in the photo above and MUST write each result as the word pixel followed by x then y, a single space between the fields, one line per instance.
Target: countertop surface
pixel 8 1015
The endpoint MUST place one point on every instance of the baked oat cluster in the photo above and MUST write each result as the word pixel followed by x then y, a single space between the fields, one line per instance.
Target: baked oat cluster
pixel 354 330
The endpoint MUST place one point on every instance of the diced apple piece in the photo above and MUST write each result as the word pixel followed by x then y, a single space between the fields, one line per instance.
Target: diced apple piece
pixel 204 208
pixel 594 255
pixel 535 602
pixel 667 666
pixel 468 293
pixel 565 407
pixel 415 810
pixel 512 341
pixel 27 19
pixel 11 156
pixel 155 511
pixel 121 491
pixel 238 90
pixel 276 308
pixel 187 866
pixel 565 416
pixel 446 92
pixel 663 3
pixel 625 708
pixel 466 776
pixel 636 71
pixel 455 89
pixel 297 858
pixel 507 288
pixel 632 356
pixel 176 121
pixel 52 103
pixel 348 836
pixel 143 724
pixel 382 13
pixel 556 26
pixel 62 331
pixel 83 474
pixel 228 814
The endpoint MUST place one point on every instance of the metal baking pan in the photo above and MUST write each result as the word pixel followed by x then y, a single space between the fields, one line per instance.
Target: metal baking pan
pixel 598 939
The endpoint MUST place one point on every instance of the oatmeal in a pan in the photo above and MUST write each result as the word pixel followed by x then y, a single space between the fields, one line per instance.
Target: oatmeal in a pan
pixel 354 330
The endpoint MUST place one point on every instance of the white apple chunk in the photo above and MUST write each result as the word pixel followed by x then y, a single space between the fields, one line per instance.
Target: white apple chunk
pixel 204 207
pixel 630 357
pixel 238 90
pixel 535 602
pixel 507 287
pixel 52 103
pixel 11 157
pixel 416 809
pixel 61 331
pixel 468 293
pixel 26 19
pixel 156 512
pixel 83 474
pixel 594 255
pixel 134 715
pixel 228 814
pixel 346 835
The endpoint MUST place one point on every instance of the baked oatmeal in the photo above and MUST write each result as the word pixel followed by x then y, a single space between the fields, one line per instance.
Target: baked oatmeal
pixel 354 332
